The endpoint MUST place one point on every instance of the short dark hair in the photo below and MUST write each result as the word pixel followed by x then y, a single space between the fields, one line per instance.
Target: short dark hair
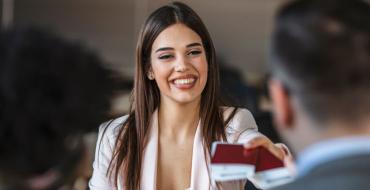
pixel 51 92
pixel 321 52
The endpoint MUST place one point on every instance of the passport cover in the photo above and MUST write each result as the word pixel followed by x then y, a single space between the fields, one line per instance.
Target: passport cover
pixel 233 162
pixel 260 157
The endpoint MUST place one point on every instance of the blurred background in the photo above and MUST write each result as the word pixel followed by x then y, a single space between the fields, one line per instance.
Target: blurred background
pixel 240 30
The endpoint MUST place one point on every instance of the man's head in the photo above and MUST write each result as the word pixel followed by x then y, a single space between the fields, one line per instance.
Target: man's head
pixel 51 93
pixel 320 62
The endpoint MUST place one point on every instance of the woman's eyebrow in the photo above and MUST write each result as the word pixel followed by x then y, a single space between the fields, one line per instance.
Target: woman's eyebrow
pixel 170 48
pixel 164 49
pixel 194 44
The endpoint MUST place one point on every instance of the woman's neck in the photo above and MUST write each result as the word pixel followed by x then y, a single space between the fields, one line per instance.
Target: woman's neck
pixel 178 121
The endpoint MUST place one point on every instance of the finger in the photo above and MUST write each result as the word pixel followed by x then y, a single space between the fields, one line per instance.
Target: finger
pixel 285 149
pixel 278 152
pixel 258 141
pixel 290 164
pixel 264 142
pixel 261 140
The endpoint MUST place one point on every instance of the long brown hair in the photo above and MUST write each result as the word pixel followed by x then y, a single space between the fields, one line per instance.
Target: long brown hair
pixel 145 97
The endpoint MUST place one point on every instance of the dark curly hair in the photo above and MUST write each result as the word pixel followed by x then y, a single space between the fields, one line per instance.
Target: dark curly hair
pixel 51 92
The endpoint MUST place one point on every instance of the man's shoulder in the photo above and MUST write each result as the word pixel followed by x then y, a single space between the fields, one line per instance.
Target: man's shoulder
pixel 352 172
pixel 337 182
pixel 306 183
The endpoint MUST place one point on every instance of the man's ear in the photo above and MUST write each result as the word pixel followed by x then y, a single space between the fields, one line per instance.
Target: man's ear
pixel 282 104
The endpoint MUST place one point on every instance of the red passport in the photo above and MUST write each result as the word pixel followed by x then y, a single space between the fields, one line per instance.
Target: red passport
pixel 233 162
pixel 260 157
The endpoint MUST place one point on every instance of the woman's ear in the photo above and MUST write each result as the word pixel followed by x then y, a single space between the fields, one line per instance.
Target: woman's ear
pixel 150 74
pixel 282 104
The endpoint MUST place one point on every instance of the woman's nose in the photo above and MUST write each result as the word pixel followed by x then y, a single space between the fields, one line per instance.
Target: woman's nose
pixel 181 64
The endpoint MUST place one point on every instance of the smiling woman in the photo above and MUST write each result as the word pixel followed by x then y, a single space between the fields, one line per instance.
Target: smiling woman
pixel 179 65
pixel 175 112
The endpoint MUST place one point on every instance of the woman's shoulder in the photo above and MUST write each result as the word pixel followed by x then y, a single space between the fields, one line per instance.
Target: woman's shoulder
pixel 112 127
pixel 240 121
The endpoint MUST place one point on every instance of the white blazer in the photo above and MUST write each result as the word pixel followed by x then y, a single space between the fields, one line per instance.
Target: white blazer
pixel 239 130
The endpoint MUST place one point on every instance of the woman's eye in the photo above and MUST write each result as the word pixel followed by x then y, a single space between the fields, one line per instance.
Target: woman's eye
pixel 164 57
pixel 195 52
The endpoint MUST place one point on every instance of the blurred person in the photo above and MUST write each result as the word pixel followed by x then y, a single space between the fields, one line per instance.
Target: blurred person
pixel 52 93
pixel 321 91
pixel 165 140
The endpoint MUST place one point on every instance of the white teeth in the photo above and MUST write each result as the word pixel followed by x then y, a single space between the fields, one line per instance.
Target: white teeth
pixel 184 81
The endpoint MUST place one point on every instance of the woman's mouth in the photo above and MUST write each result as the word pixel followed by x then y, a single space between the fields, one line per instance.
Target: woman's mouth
pixel 184 83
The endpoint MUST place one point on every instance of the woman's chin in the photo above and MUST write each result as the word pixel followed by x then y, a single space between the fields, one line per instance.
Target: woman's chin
pixel 186 99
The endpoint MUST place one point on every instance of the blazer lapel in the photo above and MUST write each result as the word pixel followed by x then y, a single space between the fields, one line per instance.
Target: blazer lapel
pixel 148 179
pixel 199 169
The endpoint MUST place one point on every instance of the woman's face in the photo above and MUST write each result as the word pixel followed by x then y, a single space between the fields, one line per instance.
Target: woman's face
pixel 179 65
